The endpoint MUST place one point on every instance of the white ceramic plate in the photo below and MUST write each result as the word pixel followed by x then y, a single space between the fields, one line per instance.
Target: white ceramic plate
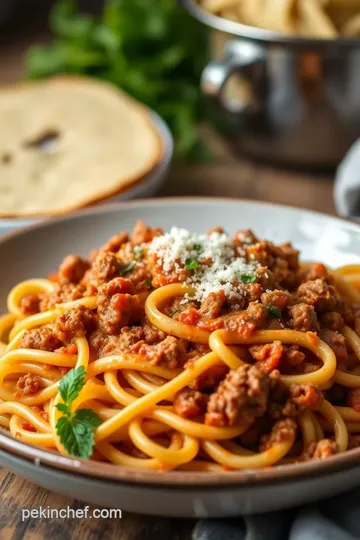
pixel 38 250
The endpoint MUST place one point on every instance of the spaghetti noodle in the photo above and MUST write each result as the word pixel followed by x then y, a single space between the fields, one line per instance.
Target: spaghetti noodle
pixel 200 352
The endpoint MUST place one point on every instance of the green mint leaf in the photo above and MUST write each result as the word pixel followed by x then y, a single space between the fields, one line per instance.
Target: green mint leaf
pixel 274 312
pixel 148 283
pixel 63 408
pixel 71 384
pixel 65 433
pixel 248 278
pixel 77 432
pixel 191 264
pixel 87 416
pixel 127 268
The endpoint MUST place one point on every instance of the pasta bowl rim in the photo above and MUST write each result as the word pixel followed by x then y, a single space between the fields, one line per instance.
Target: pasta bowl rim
pixel 261 35
pixel 175 480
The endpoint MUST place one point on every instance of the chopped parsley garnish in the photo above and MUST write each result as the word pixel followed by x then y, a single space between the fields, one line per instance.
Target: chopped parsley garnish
pixel 173 312
pixel 138 251
pixel 274 312
pixel 148 283
pixel 248 278
pixel 191 264
pixel 75 430
pixel 198 247
pixel 127 268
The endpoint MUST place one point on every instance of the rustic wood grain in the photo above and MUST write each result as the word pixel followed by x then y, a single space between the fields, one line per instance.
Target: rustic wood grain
pixel 16 494
pixel 244 179
pixel 227 176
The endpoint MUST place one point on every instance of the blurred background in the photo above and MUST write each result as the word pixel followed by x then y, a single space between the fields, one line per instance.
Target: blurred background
pixel 262 111
pixel 154 51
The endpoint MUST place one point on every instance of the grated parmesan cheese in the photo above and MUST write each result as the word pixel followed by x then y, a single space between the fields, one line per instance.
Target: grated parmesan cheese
pixel 223 273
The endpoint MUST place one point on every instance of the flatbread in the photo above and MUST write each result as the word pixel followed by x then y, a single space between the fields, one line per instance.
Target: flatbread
pixel 68 142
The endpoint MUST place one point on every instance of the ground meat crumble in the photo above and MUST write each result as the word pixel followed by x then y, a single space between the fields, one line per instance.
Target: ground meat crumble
pixel 319 450
pixel 29 384
pixel 240 397
pixel 40 338
pixel 283 430
pixel 75 322
pixel 190 403
pixel 302 397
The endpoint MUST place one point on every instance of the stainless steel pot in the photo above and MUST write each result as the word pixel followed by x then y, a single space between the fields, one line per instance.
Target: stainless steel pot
pixel 302 106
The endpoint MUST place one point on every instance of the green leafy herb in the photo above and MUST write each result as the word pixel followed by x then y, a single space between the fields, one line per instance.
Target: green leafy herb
pixel 254 263
pixel 127 268
pixel 148 283
pixel 75 430
pixel 71 384
pixel 198 247
pixel 191 264
pixel 248 278
pixel 138 251
pixel 274 312
pixel 173 312
pixel 155 51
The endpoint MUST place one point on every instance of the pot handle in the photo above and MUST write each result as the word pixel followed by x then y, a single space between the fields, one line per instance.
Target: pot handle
pixel 238 55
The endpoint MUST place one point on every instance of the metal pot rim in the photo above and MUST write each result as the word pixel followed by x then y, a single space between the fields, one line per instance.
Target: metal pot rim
pixel 261 35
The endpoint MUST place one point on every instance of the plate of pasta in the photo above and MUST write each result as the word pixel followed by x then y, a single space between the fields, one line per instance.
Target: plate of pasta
pixel 205 350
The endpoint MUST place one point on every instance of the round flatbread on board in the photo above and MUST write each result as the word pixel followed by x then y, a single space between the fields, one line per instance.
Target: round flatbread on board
pixel 68 142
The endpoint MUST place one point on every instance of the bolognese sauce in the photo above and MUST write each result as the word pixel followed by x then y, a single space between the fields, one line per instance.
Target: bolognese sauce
pixel 158 301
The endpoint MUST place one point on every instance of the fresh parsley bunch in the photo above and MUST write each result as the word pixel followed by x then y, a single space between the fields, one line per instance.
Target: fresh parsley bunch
pixel 75 430
pixel 153 50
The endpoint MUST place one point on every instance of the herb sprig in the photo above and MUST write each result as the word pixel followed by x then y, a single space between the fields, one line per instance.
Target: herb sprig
pixel 127 268
pixel 248 278
pixel 274 312
pixel 191 264
pixel 155 51
pixel 75 430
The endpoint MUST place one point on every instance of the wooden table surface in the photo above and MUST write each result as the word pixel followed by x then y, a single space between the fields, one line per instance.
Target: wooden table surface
pixel 228 176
